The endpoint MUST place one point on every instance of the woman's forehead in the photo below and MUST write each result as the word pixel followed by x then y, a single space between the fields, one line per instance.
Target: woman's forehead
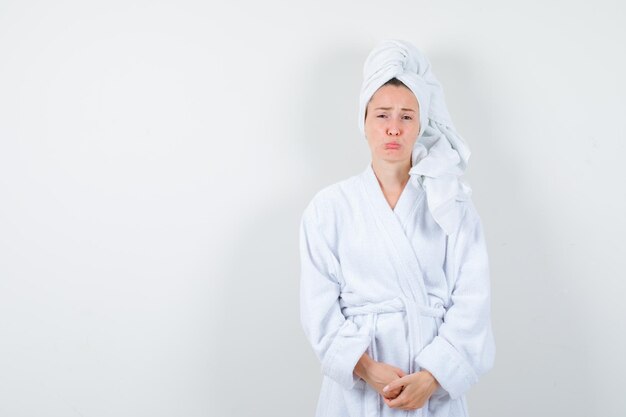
pixel 391 95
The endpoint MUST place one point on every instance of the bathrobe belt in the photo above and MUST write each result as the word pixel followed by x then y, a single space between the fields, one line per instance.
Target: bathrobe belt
pixel 393 305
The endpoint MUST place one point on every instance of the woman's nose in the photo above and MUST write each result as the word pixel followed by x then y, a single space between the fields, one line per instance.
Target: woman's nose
pixel 393 130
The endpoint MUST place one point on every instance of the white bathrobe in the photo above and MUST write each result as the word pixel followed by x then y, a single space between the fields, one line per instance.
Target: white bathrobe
pixel 394 284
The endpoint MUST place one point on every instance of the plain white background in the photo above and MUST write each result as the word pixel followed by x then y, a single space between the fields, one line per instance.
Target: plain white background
pixel 155 158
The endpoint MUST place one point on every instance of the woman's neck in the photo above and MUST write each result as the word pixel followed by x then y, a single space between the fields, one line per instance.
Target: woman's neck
pixel 392 177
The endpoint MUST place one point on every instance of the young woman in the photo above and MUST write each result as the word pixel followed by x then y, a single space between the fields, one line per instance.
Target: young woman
pixel 395 292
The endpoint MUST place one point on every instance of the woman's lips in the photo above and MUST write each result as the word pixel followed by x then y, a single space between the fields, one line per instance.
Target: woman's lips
pixel 392 145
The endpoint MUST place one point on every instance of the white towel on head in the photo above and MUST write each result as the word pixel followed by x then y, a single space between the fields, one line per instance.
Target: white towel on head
pixel 440 154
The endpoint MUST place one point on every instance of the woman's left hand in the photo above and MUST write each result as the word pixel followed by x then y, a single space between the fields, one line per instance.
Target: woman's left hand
pixel 418 387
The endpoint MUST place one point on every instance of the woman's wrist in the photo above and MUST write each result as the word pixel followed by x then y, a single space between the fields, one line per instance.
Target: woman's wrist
pixel 434 380
pixel 363 365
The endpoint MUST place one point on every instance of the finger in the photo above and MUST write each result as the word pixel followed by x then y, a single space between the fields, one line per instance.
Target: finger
pixel 400 372
pixel 387 400
pixel 392 394
pixel 399 401
pixel 406 400
pixel 395 384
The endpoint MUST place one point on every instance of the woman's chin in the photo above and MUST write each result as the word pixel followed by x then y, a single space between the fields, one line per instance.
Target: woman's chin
pixel 394 159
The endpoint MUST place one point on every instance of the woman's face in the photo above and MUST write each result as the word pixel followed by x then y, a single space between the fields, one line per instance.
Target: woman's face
pixel 392 123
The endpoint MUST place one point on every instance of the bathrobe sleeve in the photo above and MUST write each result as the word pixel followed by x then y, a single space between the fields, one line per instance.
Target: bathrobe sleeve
pixel 464 348
pixel 337 342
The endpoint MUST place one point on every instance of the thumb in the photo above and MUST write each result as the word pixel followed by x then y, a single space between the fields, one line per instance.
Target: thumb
pixel 395 384
pixel 399 372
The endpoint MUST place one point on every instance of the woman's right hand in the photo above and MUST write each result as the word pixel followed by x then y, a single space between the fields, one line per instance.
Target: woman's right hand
pixel 378 375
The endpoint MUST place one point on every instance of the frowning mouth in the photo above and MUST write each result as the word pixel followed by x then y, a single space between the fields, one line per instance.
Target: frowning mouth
pixel 392 145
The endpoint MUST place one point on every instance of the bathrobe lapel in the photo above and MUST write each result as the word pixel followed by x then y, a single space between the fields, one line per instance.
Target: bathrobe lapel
pixel 390 224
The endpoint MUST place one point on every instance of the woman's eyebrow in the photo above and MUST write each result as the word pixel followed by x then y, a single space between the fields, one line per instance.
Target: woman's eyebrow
pixel 389 108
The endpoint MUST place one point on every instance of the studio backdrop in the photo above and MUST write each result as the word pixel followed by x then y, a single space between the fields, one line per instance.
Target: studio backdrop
pixel 156 157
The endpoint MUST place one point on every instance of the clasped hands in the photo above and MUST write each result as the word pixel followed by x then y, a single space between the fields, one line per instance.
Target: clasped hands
pixel 399 390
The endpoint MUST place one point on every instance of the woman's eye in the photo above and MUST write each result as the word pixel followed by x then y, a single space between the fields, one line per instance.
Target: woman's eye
pixel 408 117
pixel 382 115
